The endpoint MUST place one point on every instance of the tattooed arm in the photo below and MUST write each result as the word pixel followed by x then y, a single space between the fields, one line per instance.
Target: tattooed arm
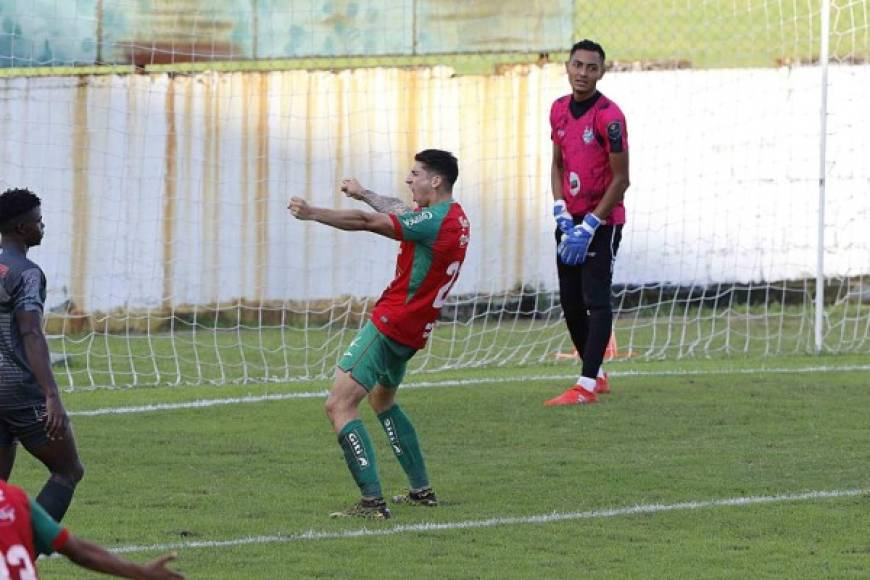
pixel 380 203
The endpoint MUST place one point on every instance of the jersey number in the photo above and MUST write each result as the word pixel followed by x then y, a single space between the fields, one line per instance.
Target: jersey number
pixel 18 557
pixel 453 272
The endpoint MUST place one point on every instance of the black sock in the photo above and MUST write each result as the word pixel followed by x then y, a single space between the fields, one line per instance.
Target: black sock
pixel 56 495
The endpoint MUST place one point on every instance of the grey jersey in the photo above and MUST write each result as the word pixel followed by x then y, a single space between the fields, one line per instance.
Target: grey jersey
pixel 22 287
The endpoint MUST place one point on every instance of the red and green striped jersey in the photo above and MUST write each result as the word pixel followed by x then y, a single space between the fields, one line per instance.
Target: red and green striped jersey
pixel 25 531
pixel 434 241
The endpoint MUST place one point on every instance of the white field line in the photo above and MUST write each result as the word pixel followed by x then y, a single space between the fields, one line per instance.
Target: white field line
pixel 423 527
pixel 205 403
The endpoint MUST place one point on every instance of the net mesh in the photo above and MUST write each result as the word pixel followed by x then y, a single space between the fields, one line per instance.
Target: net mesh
pixel 171 258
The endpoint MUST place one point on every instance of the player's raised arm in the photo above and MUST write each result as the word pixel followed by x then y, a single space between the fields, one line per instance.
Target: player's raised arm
pixel 343 219
pixel 380 203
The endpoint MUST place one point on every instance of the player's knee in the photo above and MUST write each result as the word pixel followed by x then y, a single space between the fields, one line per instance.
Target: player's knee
pixel 600 310
pixel 335 407
pixel 71 476
pixel 381 399
pixel 574 313
pixel 78 472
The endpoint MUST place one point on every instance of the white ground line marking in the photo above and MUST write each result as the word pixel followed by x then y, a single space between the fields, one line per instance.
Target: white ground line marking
pixel 494 522
pixel 204 403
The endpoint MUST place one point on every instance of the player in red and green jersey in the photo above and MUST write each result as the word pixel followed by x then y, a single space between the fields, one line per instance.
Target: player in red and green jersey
pixel 26 530
pixel 434 238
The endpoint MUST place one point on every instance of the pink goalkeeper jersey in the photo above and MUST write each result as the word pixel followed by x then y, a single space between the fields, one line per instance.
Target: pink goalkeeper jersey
pixel 586 145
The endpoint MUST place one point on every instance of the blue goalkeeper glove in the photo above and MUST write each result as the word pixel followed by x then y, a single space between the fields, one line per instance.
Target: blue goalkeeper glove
pixel 563 218
pixel 575 244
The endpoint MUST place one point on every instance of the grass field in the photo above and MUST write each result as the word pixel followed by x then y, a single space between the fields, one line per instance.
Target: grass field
pixel 242 489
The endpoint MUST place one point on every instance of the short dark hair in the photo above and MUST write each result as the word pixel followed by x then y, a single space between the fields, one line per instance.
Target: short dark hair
pixel 589 45
pixel 441 162
pixel 14 203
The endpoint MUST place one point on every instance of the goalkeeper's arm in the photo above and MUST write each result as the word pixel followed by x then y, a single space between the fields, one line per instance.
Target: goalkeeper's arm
pixel 344 219
pixel 615 192
pixel 556 168
pixel 380 203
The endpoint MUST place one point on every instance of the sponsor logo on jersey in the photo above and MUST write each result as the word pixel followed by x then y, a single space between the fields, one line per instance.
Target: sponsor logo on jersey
pixel 614 131
pixel 417 218
pixel 7 515
pixel 588 135
pixel 574 183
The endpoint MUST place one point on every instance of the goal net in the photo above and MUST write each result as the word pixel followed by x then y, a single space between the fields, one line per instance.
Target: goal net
pixel 165 139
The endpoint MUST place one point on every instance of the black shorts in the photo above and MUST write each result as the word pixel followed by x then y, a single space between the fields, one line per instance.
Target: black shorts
pixel 25 424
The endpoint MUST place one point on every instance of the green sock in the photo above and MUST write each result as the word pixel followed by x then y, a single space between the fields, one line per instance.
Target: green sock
pixel 360 458
pixel 403 440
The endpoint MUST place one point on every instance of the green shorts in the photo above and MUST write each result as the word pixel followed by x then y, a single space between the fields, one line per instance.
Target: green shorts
pixel 374 359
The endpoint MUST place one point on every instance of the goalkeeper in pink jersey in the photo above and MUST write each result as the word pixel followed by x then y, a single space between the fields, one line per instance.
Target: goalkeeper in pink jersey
pixel 589 176
pixel 434 238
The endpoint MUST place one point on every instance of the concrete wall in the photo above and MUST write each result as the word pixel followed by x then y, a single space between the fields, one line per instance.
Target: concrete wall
pixel 84 32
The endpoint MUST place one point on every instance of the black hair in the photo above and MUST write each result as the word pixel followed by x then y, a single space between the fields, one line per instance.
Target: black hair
pixel 14 203
pixel 589 45
pixel 441 162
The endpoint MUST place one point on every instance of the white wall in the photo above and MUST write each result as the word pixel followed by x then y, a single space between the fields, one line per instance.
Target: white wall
pixel 724 167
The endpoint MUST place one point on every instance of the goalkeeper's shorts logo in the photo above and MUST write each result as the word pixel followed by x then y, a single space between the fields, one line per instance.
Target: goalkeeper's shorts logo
pixel 574 183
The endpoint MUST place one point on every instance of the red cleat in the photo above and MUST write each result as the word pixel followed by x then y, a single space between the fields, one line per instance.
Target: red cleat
pixel 602 385
pixel 574 396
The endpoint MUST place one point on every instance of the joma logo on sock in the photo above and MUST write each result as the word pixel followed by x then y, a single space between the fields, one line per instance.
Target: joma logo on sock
pixel 391 435
pixel 358 450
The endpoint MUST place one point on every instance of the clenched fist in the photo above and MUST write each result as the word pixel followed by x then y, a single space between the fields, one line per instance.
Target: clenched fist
pixel 299 208
pixel 352 188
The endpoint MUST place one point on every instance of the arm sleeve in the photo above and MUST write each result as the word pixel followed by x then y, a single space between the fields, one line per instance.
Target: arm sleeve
pixel 397 226
pixel 553 122
pixel 611 125
pixel 48 535
pixel 417 226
